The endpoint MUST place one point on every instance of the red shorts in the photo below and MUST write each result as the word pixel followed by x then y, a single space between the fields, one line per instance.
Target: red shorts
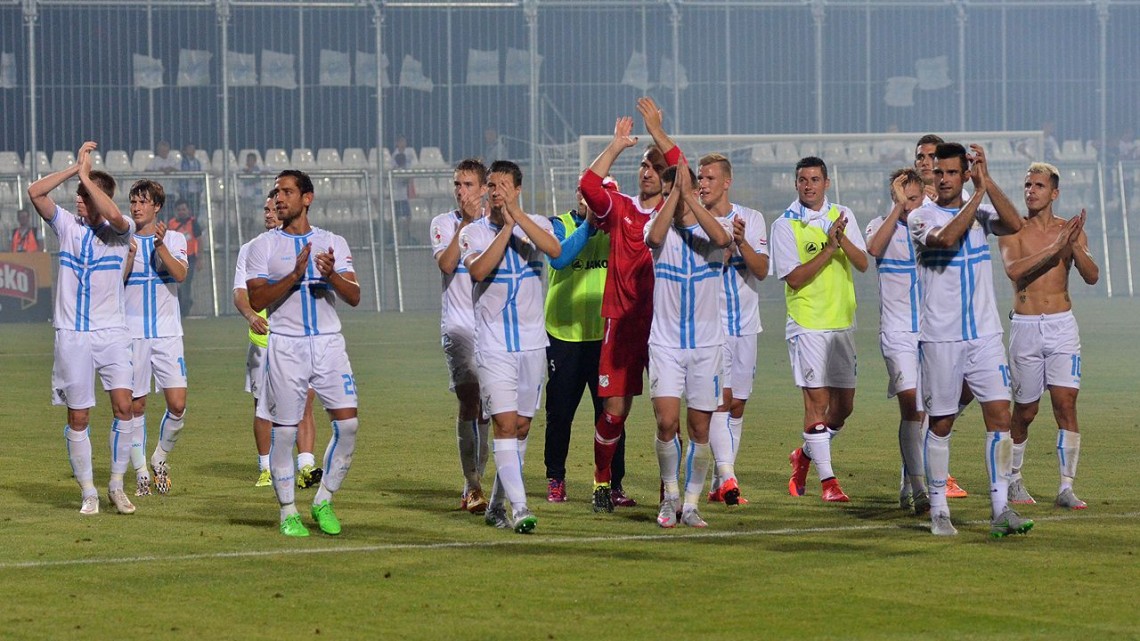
pixel 625 356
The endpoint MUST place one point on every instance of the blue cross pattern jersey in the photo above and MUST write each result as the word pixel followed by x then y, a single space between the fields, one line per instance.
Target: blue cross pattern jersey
pixel 687 288
pixel 457 314
pixel 741 309
pixel 957 283
pixel 509 303
pixel 152 293
pixel 900 292
pixel 309 309
pixel 89 291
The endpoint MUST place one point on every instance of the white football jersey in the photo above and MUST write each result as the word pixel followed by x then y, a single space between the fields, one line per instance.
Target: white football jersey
pixel 900 292
pixel 957 283
pixel 309 309
pixel 741 309
pixel 508 305
pixel 152 293
pixel 457 310
pixel 687 288
pixel 89 287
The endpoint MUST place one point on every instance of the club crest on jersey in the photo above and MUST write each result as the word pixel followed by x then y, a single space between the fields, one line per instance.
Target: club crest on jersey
pixel 436 234
pixel 604 380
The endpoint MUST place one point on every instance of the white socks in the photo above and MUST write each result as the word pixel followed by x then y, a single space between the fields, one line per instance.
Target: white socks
pixel 723 448
pixel 305 458
pixel 696 468
pixel 1068 451
pixel 999 464
pixel 910 445
pixel 168 431
pixel 138 444
pixel 338 457
pixel 509 466
pixel 283 439
pixel 1017 458
pixel 669 463
pixel 817 445
pixel 119 439
pixel 937 455
pixel 79 454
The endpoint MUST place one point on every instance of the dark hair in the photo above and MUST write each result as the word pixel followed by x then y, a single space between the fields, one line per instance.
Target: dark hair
pixel 911 176
pixel 670 175
pixel 812 161
pixel 148 189
pixel 304 183
pixel 507 167
pixel 475 166
pixel 272 193
pixel 105 181
pixel 929 139
pixel 656 158
pixel 948 150
pixel 181 201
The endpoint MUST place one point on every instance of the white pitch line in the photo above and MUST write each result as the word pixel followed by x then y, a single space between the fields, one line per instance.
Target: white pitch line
pixel 517 540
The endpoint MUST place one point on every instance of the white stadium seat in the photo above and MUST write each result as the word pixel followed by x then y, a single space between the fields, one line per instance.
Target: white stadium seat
pixel 355 158
pixel 302 159
pixel 10 163
pixel 140 160
pixel 432 158
pixel 328 158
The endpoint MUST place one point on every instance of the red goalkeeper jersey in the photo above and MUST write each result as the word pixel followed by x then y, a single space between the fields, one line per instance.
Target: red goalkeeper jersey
pixel 629 274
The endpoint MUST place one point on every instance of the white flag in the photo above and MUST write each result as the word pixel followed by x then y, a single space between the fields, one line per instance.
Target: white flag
pixel 242 71
pixel 933 73
pixel 7 70
pixel 336 71
pixel 637 71
pixel 900 91
pixel 277 69
pixel 517 71
pixel 482 67
pixel 412 75
pixel 366 70
pixel 194 67
pixel 147 71
pixel 673 74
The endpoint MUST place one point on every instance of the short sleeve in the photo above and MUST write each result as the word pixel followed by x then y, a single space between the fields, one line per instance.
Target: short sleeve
pixel 873 226
pixel 920 223
pixel 343 255
pixel 757 234
pixel 441 234
pixel 471 243
pixel 257 261
pixel 239 268
pixel 176 243
pixel 987 216
pixel 784 248
pixel 852 230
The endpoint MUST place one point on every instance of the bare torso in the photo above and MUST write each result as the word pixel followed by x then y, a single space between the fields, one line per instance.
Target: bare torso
pixel 1044 290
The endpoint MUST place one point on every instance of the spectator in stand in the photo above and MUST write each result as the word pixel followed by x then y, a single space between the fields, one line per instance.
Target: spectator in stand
pixel 185 222
pixel 495 148
pixel 24 237
pixel 403 189
pixel 190 189
pixel 162 160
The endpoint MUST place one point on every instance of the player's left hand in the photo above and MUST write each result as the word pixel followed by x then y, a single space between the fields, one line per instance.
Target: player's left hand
pixel 325 263
pixel 836 231
pixel 979 169
pixel 159 232
pixel 651 113
pixel 738 230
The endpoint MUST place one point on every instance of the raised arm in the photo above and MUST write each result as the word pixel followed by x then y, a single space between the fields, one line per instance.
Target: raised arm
pixel 623 139
pixel 1009 221
pixel 949 234
pixel 573 244
pixel 263 293
pixel 1082 257
pixel 343 283
pixel 651 113
pixel 1021 267
pixel 100 201
pixel 879 241
pixel 717 234
pixel 541 238
pixel 484 263
pixel 855 254
pixel 39 192
pixel 658 226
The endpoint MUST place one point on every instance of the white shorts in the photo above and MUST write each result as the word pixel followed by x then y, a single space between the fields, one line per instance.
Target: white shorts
pixel 80 355
pixel 293 365
pixel 980 363
pixel 160 360
pixel 691 374
pixel 900 352
pixel 1044 350
pixel 823 359
pixel 255 370
pixel 459 351
pixel 511 381
pixel 739 362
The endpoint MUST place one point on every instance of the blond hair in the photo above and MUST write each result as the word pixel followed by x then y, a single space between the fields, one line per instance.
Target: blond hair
pixel 1046 168
pixel 709 159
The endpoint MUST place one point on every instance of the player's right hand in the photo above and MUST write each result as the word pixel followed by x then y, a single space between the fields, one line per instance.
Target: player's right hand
pixel 651 113
pixel 302 263
pixel 623 132
pixel 83 157
pixel 897 190
pixel 259 325
pixel 835 232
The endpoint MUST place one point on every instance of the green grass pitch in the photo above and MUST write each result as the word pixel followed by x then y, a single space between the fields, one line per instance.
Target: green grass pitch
pixel 206 562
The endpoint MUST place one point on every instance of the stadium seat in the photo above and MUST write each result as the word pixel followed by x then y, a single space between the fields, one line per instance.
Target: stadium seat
pixel 140 160
pixel 328 158
pixel 203 158
pixel 809 148
pixel 762 154
pixel 176 156
pixel 1001 151
pixel 302 159
pixel 217 161
pixel 62 160
pixel 355 158
pixel 860 152
pixel 10 163
pixel 387 158
pixel 432 158
pixel 42 165
pixel 834 153
pixel 274 159
pixel 117 162
pixel 786 153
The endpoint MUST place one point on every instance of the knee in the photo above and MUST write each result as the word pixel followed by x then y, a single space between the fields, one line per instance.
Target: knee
pixel 1024 414
pixel 176 409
